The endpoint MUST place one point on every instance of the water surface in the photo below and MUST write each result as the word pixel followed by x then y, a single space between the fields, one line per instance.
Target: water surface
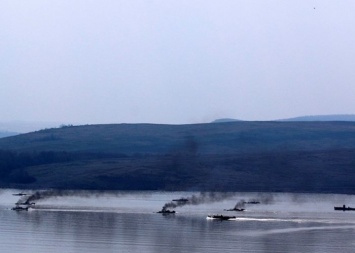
pixel 127 222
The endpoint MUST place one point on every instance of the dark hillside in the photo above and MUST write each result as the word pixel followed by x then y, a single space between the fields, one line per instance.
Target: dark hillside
pixel 222 138
pixel 316 171
pixel 235 156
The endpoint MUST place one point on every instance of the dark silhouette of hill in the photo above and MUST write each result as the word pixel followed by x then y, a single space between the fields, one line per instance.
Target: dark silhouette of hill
pixel 232 156
pixel 222 138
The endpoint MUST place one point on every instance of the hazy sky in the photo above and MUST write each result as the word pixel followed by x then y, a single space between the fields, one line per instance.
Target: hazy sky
pixel 175 61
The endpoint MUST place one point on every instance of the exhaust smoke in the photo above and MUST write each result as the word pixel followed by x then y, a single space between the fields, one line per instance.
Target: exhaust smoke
pixel 201 198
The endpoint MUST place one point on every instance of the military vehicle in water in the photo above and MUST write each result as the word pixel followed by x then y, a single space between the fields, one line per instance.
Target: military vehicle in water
pixel 166 211
pixel 251 202
pixel 235 209
pixel 20 208
pixel 343 208
pixel 20 194
pixel 220 217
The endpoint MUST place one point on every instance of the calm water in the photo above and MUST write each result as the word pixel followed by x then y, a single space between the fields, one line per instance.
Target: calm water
pixel 126 222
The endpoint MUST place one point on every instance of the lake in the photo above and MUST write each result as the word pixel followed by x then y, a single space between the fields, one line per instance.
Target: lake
pixel 128 222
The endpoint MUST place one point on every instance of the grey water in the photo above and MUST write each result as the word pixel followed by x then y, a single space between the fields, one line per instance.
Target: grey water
pixel 128 222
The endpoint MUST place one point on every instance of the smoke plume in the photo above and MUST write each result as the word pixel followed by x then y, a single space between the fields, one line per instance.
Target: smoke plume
pixel 240 204
pixel 48 194
pixel 201 198
pixel 266 198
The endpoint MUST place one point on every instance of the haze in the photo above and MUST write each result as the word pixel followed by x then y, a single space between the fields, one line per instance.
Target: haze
pixel 176 62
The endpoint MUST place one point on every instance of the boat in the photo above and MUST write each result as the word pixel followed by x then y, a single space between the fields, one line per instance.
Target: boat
pixel 343 208
pixel 235 209
pixel 20 194
pixel 26 203
pixel 20 208
pixel 252 202
pixel 220 217
pixel 166 211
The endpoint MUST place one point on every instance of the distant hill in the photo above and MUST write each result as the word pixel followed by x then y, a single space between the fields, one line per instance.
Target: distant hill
pixel 7 134
pixel 340 117
pixel 335 117
pixel 234 156
pixel 228 138
pixel 224 120
pixel 25 126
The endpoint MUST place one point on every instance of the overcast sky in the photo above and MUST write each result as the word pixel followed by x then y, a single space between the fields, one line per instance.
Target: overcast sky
pixel 175 61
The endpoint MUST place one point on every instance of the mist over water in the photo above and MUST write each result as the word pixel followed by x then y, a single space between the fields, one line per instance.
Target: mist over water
pixel 213 197
pixel 241 200
pixel 201 198
pixel 42 195
pixel 47 194
pixel 260 198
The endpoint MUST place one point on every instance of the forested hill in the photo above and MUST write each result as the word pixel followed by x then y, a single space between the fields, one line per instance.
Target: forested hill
pixel 233 156
pixel 222 138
